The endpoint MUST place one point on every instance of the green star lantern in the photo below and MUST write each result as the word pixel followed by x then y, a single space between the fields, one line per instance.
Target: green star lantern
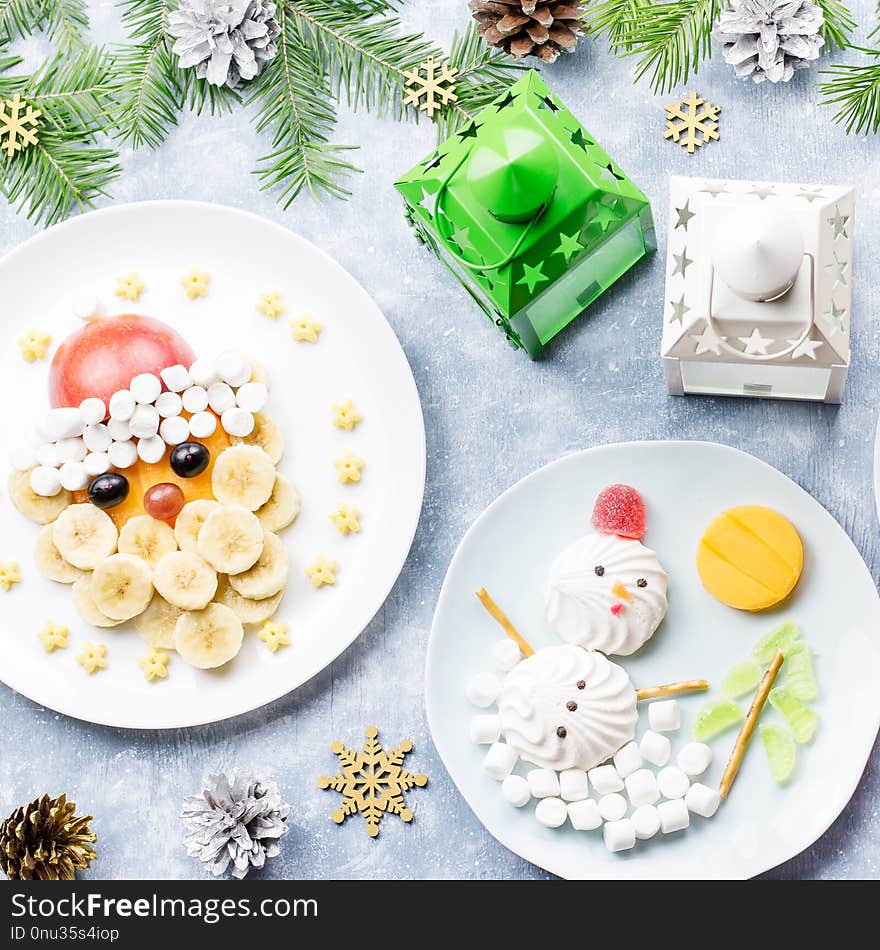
pixel 529 213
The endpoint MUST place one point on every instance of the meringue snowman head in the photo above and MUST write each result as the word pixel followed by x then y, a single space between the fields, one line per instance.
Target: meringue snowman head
pixel 607 591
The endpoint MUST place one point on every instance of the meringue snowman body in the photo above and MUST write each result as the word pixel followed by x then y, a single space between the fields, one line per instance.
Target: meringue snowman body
pixel 606 593
pixel 565 707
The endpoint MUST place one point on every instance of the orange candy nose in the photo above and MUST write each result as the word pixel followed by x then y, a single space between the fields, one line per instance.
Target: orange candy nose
pixel 620 591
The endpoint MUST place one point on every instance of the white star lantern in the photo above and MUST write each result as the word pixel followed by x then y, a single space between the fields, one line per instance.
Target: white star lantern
pixel 758 289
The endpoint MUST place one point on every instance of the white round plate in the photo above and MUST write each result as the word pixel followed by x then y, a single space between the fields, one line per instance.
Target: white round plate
pixel 685 485
pixel 358 356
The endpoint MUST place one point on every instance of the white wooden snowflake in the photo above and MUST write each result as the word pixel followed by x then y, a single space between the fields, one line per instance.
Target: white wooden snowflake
pixel 430 86
pixel 692 122
pixel 18 125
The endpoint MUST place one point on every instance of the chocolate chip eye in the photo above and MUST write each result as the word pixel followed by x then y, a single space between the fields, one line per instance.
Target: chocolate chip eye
pixel 581 684
pixel 641 582
pixel 600 571
pixel 561 731
pixel 571 706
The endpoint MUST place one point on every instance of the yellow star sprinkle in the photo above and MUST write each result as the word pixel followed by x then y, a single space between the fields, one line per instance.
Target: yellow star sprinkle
pixel 130 286
pixel 322 571
pixel 271 305
pixel 93 657
pixel 348 467
pixel 345 415
pixel 10 574
pixel 305 329
pixel 33 344
pixel 154 664
pixel 53 636
pixel 274 635
pixel 196 283
pixel 346 519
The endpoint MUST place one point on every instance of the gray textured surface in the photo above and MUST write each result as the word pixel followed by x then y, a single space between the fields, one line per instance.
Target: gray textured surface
pixel 492 416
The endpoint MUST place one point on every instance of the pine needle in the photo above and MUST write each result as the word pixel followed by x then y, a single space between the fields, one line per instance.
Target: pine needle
pixel 838 26
pixel 855 90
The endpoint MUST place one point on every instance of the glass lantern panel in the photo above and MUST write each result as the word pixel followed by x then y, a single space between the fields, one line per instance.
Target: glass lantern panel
pixel 755 379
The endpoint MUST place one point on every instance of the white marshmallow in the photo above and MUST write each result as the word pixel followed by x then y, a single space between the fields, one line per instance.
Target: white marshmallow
pixel 551 812
pixel 45 481
pixel 694 758
pixel 646 821
pixel 507 653
pixel 515 790
pixel 673 816
pixel 122 405
pixel 483 689
pixel 71 450
pixel 664 716
pixel 176 378
pixel 702 800
pixel 74 476
pixel 86 306
pixel 145 388
pixel 252 396
pixel 672 782
pixel 485 729
pixel 151 450
pixel 628 759
pixel 119 430
pixel 641 786
pixel 24 456
pixel 233 368
pixel 619 835
pixel 543 783
pixel 96 463
pixel 144 422
pixel 655 748
pixel 97 437
pixel 64 423
pixel 169 404
pixel 92 410
pixel 584 815
pixel 612 807
pixel 604 779
pixel 122 454
pixel 195 399
pixel 202 424
pixel 500 760
pixel 573 785
pixel 49 455
pixel 202 373
pixel 237 422
pixel 220 397
pixel 174 430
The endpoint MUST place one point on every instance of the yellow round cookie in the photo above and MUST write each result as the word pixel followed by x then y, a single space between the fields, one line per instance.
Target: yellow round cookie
pixel 750 558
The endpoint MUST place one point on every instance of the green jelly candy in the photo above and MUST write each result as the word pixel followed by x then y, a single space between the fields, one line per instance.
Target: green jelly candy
pixel 716 718
pixel 781 752
pixel 742 679
pixel 782 638
pixel 798 672
pixel 802 721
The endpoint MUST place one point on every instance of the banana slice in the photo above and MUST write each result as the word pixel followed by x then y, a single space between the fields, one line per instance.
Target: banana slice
pixel 147 538
pixel 189 522
pixel 268 575
pixel 208 638
pixel 84 535
pixel 185 580
pixel 34 506
pixel 243 475
pixel 231 539
pixel 283 506
pixel 259 373
pixel 156 624
pixel 50 563
pixel 248 611
pixel 87 608
pixel 122 586
pixel 265 436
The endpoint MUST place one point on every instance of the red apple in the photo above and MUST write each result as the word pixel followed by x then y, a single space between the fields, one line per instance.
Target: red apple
pixel 102 356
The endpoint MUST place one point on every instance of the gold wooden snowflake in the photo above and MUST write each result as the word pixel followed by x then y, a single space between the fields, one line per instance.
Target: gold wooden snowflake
pixel 692 122
pixel 372 782
pixel 433 90
pixel 18 125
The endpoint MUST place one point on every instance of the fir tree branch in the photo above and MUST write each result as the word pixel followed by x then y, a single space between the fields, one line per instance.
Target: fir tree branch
pixel 614 19
pixel 66 22
pixel 855 90
pixel 838 26
pixel 20 17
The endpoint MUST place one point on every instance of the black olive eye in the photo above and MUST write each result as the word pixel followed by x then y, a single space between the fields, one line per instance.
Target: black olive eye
pixel 108 491
pixel 600 571
pixel 571 706
pixel 189 459
pixel 581 684
pixel 561 731
pixel 641 582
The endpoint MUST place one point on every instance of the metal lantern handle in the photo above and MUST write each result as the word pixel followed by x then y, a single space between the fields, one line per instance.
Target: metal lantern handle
pixel 764 357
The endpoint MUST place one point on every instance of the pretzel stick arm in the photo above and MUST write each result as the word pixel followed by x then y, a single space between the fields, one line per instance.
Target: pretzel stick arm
pixel 749 724
pixel 672 689
pixel 498 615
